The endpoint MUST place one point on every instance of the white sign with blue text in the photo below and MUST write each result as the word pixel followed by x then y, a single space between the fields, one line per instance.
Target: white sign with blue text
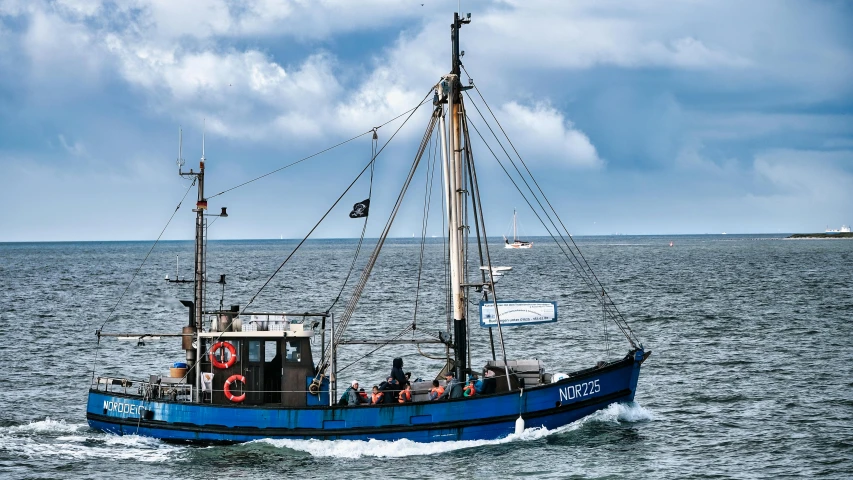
pixel 517 312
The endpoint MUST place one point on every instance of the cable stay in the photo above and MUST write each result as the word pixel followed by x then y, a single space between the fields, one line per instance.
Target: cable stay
pixel 572 252
pixel 305 238
pixel 341 326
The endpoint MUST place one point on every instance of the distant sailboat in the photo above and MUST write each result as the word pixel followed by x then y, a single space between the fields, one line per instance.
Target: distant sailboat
pixel 516 243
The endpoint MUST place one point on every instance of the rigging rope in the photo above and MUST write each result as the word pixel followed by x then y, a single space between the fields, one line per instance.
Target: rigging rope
pixel 304 239
pixel 365 274
pixel 373 145
pixel 411 110
pixel 110 315
pixel 607 301
pixel 411 113
pixel 577 264
pixel 405 330
pixel 146 256
pixel 430 175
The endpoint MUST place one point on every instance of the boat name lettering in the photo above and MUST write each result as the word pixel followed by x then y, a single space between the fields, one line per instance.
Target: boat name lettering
pixel 120 407
pixel 579 390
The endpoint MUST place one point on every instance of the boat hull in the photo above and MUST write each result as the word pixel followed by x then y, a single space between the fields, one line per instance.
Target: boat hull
pixel 478 418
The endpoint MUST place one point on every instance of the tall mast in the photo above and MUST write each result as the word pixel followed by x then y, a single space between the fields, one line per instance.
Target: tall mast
pixel 456 200
pixel 514 228
pixel 201 206
pixel 192 354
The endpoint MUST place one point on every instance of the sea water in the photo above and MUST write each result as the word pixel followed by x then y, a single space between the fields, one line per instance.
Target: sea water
pixel 751 374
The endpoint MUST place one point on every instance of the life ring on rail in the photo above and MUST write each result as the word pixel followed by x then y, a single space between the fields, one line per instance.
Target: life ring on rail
pixel 228 394
pixel 231 361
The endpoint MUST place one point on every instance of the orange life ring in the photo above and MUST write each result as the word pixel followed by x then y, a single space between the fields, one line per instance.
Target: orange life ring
pixel 228 394
pixel 231 361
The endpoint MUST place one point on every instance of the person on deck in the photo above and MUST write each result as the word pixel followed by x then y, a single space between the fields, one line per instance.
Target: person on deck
pixel 399 375
pixel 470 390
pixel 478 383
pixel 352 395
pixel 453 388
pixel 376 397
pixel 388 387
pixel 406 394
pixel 436 390
pixel 489 383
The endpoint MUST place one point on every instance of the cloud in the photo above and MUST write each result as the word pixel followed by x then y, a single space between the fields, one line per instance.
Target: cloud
pixel 544 133
pixel 726 109
pixel 252 96
pixel 816 176
pixel 59 49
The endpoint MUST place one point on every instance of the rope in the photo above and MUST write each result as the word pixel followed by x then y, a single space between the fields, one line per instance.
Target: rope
pixel 623 325
pixel 412 110
pixel 218 337
pixel 576 264
pixel 430 175
pixel 365 274
pixel 373 145
pixel 120 298
pixel 304 239
pixel 405 330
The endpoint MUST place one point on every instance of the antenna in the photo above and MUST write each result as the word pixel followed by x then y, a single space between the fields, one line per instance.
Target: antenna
pixel 203 129
pixel 180 161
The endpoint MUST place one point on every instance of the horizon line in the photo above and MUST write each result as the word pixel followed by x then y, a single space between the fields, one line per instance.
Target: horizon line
pixel 405 238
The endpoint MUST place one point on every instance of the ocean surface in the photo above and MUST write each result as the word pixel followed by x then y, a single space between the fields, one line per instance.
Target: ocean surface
pixel 751 372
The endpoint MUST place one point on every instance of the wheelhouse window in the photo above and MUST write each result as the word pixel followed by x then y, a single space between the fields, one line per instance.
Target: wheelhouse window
pixel 294 352
pixel 270 351
pixel 254 351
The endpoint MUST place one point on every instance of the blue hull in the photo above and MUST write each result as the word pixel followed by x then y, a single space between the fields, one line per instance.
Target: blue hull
pixel 479 418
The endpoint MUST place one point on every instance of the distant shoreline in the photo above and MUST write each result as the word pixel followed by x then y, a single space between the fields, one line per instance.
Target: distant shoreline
pixel 821 236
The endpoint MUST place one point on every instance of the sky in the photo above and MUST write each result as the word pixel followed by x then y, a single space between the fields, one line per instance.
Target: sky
pixel 654 117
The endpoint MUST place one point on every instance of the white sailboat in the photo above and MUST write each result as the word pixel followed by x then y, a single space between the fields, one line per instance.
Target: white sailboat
pixel 516 243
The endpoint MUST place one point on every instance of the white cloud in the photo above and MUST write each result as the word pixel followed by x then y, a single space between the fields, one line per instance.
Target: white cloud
pixel 82 8
pixel 543 132
pixel 585 34
pixel 59 49
pixel 249 93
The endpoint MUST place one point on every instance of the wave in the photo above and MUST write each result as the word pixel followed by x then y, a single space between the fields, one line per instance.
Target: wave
pixel 44 426
pixel 50 438
pixel 353 449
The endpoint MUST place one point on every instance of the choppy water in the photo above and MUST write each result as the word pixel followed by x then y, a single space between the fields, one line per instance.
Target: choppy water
pixel 751 374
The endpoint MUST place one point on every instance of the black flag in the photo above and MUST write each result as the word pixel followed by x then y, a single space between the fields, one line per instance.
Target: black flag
pixel 360 209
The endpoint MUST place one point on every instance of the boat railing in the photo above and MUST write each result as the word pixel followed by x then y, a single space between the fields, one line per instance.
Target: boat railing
pixel 261 322
pixel 156 388
pixel 163 388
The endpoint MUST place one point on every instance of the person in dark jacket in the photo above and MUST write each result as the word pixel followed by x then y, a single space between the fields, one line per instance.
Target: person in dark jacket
pixel 388 387
pixel 399 375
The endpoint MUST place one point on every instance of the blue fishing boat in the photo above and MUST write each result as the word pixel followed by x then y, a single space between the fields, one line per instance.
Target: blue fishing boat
pixel 251 375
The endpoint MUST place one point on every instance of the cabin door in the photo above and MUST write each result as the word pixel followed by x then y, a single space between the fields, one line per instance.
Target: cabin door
pixel 272 371
pixel 254 372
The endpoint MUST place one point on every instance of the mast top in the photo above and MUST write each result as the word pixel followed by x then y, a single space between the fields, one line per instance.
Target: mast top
pixel 203 131
pixel 454 33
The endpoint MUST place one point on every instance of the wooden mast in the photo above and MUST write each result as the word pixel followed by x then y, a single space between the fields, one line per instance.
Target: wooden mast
pixel 456 201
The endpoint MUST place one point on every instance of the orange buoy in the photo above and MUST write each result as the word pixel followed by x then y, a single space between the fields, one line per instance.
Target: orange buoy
pixel 231 361
pixel 227 389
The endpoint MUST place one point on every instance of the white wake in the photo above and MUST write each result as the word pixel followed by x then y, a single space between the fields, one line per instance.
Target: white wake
pixel 614 413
